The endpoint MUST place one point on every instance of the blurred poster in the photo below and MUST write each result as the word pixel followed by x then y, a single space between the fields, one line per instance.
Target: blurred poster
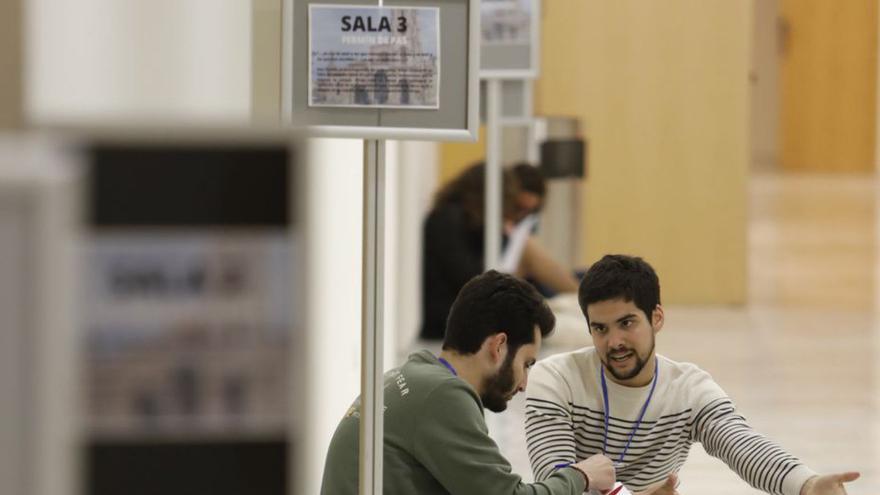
pixel 374 57
pixel 506 22
pixel 188 332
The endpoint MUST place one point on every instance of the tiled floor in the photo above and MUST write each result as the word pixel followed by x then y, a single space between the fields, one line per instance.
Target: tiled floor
pixel 802 359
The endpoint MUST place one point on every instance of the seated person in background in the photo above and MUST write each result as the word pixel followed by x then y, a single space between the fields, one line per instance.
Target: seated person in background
pixel 453 239
pixel 436 439
pixel 529 198
pixel 641 409
pixel 531 260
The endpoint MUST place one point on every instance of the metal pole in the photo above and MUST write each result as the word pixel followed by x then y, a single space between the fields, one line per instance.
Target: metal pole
pixel 492 235
pixel 533 149
pixel 372 335
pixel 12 54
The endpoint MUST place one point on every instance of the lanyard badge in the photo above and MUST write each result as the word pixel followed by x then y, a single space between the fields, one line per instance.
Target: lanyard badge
pixel 619 463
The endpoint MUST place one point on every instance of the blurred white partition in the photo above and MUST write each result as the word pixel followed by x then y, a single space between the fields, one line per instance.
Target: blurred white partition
pixel 331 208
pixel 134 60
pixel 38 235
pixel 333 220
pixel 413 187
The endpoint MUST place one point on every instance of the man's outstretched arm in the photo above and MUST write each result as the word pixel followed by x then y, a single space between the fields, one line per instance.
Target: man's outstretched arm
pixel 756 459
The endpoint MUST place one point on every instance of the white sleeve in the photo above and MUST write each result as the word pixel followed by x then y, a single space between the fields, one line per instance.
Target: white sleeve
pixel 549 430
pixel 516 242
pixel 725 434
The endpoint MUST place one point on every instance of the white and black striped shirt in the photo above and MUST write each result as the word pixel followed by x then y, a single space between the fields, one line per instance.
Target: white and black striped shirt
pixel 565 423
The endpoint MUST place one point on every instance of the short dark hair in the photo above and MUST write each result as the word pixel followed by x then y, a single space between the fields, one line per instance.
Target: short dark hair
pixel 530 178
pixel 493 303
pixel 618 276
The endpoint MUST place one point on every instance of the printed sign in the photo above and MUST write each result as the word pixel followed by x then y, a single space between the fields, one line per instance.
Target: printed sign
pixel 374 57
pixel 188 332
pixel 506 22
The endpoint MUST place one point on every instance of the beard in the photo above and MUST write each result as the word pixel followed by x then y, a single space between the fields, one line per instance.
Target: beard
pixel 499 388
pixel 640 361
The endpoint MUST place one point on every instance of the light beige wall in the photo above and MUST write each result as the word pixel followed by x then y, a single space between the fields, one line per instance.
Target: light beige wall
pixel 663 90
pixel 266 60
pixel 877 117
pixel 11 65
pixel 764 79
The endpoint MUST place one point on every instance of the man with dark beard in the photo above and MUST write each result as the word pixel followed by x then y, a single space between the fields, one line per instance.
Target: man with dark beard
pixel 642 410
pixel 436 440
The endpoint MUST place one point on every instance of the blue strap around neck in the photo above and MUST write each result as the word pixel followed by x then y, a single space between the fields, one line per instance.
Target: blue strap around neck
pixel 448 366
pixel 641 414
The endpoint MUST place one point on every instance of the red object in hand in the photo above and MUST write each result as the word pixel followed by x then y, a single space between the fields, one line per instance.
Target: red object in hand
pixel 618 489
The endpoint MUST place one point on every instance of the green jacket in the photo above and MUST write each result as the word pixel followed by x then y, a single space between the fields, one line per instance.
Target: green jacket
pixel 436 441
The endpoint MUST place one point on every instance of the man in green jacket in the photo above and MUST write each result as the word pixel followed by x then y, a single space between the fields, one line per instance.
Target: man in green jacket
pixel 436 440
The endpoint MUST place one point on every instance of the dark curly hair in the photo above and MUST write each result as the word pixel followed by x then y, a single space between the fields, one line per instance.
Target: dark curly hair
pixel 618 276
pixel 530 178
pixel 493 303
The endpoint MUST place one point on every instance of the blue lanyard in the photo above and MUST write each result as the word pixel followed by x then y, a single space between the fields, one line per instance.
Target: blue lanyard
pixel 641 414
pixel 446 363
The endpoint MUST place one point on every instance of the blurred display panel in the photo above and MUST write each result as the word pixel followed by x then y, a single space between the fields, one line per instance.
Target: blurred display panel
pixel 509 32
pixel 188 332
pixel 189 291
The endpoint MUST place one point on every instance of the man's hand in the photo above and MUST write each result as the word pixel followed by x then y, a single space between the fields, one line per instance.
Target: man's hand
pixel 599 470
pixel 662 488
pixel 829 484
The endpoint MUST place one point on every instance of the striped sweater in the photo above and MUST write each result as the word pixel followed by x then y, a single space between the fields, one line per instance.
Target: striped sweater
pixel 565 423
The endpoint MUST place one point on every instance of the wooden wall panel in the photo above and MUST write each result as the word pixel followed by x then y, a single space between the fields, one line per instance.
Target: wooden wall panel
pixel 662 91
pixel 828 85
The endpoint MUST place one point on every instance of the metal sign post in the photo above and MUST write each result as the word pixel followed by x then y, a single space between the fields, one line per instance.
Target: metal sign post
pixel 440 34
pixel 492 239
pixel 372 304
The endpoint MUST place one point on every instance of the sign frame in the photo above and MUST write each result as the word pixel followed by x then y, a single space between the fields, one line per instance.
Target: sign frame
pixel 457 118
pixel 434 12
pixel 533 70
